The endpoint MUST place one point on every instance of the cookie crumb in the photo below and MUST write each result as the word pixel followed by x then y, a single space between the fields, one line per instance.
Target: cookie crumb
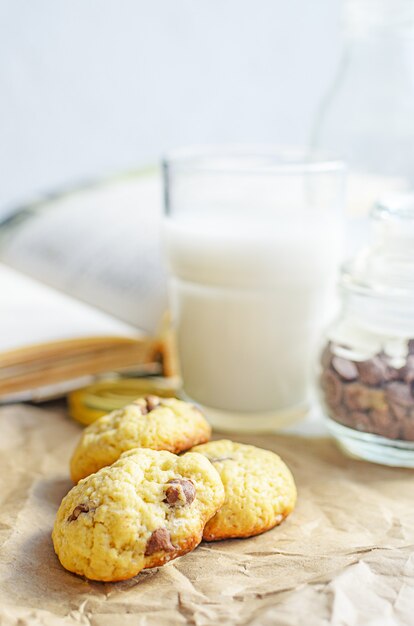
pixel 152 402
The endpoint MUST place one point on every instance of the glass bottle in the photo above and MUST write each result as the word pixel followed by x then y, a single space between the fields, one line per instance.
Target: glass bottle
pixel 367 116
pixel 367 365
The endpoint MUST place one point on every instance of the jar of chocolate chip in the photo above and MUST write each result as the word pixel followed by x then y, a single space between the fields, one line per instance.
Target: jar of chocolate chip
pixel 367 363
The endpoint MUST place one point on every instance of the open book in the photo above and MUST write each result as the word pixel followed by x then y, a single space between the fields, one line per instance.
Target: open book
pixel 83 287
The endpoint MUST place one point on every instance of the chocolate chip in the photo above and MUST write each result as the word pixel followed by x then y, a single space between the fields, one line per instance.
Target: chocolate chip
pixel 390 372
pixel 397 411
pixel 332 387
pixel 152 402
pixel 142 404
pixel 372 372
pixel 399 393
pixel 356 397
pixel 81 508
pixel 394 373
pixel 326 356
pixel 341 414
pixel 407 430
pixel 408 369
pixel 361 421
pixel 346 369
pixel 181 492
pixel 384 423
pixel 160 540
pixel 147 404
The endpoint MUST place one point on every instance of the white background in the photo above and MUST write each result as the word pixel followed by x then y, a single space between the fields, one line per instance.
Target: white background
pixel 92 86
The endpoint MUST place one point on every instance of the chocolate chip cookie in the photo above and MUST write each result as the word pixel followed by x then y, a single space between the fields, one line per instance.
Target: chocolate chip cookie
pixel 260 490
pixel 146 509
pixel 150 422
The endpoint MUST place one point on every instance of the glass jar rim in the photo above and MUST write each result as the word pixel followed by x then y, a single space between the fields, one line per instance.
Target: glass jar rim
pixel 350 283
pixel 252 159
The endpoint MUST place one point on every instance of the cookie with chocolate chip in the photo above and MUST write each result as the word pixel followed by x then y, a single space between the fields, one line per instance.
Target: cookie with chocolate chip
pixel 146 509
pixel 260 490
pixel 150 422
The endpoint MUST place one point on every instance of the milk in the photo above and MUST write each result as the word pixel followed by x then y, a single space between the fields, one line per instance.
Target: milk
pixel 249 299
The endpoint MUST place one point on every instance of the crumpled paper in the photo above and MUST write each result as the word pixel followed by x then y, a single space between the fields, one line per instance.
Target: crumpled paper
pixel 344 557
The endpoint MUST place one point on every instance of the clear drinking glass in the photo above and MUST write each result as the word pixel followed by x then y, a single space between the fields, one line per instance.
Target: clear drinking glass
pixel 253 244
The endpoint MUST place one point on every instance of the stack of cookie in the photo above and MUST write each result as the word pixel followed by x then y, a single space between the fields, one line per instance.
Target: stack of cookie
pixel 148 492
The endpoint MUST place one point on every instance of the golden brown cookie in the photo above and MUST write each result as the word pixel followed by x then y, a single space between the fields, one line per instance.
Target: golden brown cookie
pixel 150 422
pixel 260 490
pixel 147 508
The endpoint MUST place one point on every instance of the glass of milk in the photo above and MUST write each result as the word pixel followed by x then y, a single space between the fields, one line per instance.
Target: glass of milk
pixel 253 241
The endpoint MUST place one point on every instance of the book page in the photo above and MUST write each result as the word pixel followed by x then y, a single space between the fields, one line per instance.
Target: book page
pixel 101 244
pixel 33 313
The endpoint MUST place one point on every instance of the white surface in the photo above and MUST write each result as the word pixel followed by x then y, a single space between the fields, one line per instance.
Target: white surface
pixel 92 87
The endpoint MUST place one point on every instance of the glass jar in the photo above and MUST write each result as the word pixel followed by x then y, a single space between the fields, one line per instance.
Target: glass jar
pixel 367 364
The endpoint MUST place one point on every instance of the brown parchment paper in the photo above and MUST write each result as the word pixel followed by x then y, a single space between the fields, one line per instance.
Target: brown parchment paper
pixel 344 557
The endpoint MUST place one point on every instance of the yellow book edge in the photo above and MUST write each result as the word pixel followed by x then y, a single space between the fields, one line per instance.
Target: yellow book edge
pixel 45 365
